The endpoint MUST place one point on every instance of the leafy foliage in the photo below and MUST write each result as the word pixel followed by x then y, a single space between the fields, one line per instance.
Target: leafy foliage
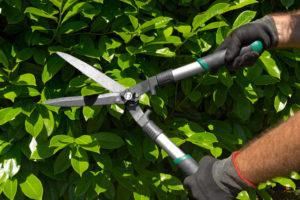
pixel 83 153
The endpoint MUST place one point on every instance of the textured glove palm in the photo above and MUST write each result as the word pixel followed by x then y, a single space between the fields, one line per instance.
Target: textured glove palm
pixel 263 29
pixel 215 180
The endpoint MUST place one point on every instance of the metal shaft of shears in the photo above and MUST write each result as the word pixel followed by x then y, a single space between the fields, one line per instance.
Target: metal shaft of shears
pixel 183 161
pixel 210 62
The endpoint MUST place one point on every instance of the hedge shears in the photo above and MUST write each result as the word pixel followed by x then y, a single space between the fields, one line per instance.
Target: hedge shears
pixel 130 97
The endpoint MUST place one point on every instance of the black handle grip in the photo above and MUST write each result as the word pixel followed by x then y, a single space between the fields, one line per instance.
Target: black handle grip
pixel 216 60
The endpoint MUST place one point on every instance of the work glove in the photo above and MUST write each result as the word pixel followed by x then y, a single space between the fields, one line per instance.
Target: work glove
pixel 263 29
pixel 216 179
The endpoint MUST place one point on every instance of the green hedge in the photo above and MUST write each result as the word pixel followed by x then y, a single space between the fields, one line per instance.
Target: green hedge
pixel 84 153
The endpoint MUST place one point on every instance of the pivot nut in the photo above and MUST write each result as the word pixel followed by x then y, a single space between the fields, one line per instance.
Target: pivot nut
pixel 128 96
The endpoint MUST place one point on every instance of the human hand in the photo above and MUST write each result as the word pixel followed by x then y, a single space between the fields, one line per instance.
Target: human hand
pixel 263 29
pixel 215 180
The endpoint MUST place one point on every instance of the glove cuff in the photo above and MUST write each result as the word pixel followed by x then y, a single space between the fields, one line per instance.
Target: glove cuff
pixel 228 177
pixel 248 182
pixel 269 25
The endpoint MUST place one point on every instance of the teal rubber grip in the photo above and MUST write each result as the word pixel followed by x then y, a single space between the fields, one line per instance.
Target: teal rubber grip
pixel 177 161
pixel 257 47
pixel 203 63
pixel 217 59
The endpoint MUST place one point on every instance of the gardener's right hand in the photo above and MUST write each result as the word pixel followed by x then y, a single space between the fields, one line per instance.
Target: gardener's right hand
pixel 216 179
pixel 263 29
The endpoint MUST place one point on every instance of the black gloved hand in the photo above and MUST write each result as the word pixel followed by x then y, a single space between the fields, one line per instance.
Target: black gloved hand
pixel 215 180
pixel 263 29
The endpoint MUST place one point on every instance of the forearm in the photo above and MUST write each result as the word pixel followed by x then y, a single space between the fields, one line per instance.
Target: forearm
pixel 288 27
pixel 276 153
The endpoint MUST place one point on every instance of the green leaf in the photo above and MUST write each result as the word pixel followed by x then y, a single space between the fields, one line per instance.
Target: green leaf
pixel 156 23
pixel 287 3
pixel 225 77
pixel 166 40
pixel 68 4
pixel 88 142
pixel 92 89
pixel 286 182
pixel 159 107
pixel 24 54
pixel 203 139
pixel 221 34
pixel 220 96
pixel 61 141
pixel 285 89
pixel 3 59
pixel 116 110
pixel 90 112
pixel 10 188
pixel 216 152
pixel 195 96
pixel 25 79
pixel 79 161
pixel 242 109
pixel 13 91
pixel 243 18
pixel 73 113
pixel 213 25
pixel 4 146
pixel 79 7
pixel 34 124
pixel 15 3
pixel 62 162
pixel 280 102
pixel 134 145
pixel 53 65
pixel 188 128
pixel 151 151
pixel 243 196
pixel 270 65
pixel 241 4
pixel 252 93
pixel 109 140
pixel 265 80
pixel 39 150
pixel 10 167
pixel 144 99
pixel 170 183
pixel 57 3
pixel 152 50
pixel 72 27
pixel 8 114
pixel 32 187
pixel 125 61
pixel 295 175
pixel 134 21
pixel 216 9
pixel 138 196
pixel 48 119
pixel 163 52
pixel 41 13
pixel 10 163
pixel 186 86
pixel 87 48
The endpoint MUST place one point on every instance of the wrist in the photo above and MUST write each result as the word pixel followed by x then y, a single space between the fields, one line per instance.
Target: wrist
pixel 228 177
pixel 284 29
pixel 269 26
pixel 238 171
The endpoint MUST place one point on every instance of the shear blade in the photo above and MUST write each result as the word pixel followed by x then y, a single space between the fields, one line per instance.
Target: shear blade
pixel 103 99
pixel 92 73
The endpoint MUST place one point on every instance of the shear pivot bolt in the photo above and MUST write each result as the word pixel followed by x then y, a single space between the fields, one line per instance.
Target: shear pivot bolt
pixel 128 96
